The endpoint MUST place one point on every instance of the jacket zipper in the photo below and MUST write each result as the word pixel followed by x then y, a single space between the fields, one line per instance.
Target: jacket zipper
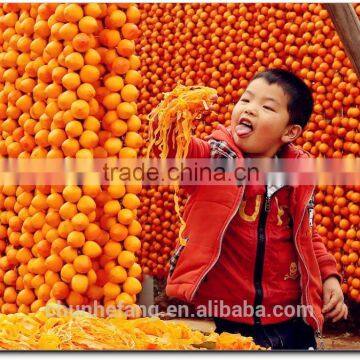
pixel 219 252
pixel 304 292
pixel 260 255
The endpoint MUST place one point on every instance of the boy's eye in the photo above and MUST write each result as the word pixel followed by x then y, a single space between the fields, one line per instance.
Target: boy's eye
pixel 244 100
pixel 268 108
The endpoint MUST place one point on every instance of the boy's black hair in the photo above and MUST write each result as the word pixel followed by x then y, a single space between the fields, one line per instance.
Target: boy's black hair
pixel 301 102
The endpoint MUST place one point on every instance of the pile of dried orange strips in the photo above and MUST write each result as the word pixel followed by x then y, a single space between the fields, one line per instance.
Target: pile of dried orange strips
pixel 82 331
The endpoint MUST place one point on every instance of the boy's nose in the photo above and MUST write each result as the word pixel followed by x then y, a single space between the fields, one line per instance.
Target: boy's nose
pixel 250 111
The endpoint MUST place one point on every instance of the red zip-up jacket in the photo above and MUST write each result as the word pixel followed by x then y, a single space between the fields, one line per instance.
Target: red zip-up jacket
pixel 254 270
pixel 208 214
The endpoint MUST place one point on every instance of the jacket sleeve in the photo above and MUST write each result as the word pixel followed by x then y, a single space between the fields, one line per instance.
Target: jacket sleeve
pixel 198 148
pixel 326 261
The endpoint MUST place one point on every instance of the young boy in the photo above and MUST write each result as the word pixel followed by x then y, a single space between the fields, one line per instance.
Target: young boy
pixel 255 245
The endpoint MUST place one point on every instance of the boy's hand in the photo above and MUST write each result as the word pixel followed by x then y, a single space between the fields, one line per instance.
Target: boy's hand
pixel 334 307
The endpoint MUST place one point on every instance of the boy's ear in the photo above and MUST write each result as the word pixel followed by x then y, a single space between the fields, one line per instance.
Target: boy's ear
pixel 291 133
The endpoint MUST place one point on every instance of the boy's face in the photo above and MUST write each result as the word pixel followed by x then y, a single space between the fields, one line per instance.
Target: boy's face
pixel 259 121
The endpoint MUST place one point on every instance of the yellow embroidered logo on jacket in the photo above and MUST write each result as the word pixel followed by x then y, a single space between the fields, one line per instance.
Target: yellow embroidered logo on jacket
pixel 293 272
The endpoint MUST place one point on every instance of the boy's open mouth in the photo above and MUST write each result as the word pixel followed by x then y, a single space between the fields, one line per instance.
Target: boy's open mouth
pixel 245 128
